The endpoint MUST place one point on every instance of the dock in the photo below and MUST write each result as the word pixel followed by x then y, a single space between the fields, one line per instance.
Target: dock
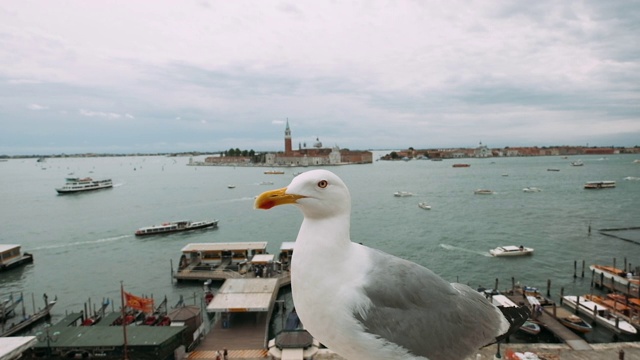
pixel 218 261
pixel 242 308
pixel 28 321
pixel 547 320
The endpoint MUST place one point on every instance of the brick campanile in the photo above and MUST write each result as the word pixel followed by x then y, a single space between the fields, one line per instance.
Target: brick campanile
pixel 287 141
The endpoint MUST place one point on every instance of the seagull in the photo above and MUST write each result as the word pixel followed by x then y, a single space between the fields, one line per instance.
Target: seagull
pixel 362 303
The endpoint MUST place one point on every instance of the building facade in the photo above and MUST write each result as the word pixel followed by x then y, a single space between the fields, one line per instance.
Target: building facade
pixel 317 155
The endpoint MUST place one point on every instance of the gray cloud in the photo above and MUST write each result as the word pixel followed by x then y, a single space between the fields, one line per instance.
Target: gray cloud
pixel 211 75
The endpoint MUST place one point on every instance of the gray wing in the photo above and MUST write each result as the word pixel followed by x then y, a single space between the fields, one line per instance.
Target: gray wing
pixel 416 309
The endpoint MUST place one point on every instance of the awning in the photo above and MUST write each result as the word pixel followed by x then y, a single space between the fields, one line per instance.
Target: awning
pixel 244 295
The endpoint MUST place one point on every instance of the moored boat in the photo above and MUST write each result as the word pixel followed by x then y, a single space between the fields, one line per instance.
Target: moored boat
pixel 29 321
pixel 7 307
pixel 569 319
pixel 175 226
pixel 602 314
pixel 606 273
pixel 11 257
pixel 511 250
pixel 530 328
pixel 74 185
pixel 460 165
pixel 627 313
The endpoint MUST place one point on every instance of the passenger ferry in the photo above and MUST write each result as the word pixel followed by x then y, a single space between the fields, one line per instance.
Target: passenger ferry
pixel 11 257
pixel 74 185
pixel 175 226
pixel 600 184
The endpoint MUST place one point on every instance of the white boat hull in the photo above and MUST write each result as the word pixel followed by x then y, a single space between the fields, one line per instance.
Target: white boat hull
pixel 586 307
pixel 511 251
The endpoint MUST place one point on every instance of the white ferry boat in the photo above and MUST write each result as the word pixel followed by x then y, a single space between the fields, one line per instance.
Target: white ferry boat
pixel 175 226
pixel 74 185
pixel 600 184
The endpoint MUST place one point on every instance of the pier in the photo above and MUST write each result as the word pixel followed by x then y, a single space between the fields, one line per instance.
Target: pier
pixel 548 320
pixel 243 309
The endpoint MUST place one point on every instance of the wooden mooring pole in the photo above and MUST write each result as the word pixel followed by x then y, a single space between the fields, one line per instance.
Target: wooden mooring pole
pixel 548 287
pixel 575 268
pixel 582 275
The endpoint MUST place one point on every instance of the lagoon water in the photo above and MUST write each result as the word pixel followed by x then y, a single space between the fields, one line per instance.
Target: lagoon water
pixel 84 245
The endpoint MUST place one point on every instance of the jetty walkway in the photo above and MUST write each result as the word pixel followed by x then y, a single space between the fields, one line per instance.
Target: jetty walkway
pixel 242 308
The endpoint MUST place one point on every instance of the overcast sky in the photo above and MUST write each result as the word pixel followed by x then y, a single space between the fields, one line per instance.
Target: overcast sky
pixel 170 76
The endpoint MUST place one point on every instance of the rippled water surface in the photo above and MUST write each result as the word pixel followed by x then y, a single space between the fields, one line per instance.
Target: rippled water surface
pixel 84 245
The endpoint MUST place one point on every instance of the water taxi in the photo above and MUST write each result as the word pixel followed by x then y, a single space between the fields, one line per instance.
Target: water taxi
pixel 11 257
pixel 74 185
pixel 603 315
pixel 460 165
pixel 511 250
pixel 175 226
pixel 606 184
pixel 274 172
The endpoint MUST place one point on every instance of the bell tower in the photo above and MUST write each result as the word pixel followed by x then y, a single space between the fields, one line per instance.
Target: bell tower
pixel 287 141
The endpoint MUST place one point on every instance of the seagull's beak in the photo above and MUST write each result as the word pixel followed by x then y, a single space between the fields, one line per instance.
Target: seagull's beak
pixel 269 199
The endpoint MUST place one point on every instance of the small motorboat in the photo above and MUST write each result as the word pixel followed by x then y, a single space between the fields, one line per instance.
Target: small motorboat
pixel 530 328
pixel 483 192
pixel 511 250
pixel 531 189
pixel 424 205
pixel 402 194
pixel 575 322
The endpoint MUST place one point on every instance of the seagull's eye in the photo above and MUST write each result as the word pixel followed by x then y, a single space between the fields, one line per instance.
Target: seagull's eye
pixel 323 184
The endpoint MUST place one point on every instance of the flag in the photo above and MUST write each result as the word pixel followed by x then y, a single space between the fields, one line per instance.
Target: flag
pixel 138 303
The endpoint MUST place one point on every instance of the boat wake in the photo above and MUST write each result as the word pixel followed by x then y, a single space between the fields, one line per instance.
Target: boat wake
pixel 457 248
pixel 57 246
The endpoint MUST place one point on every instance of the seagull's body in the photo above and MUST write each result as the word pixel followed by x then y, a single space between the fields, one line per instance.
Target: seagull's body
pixel 365 304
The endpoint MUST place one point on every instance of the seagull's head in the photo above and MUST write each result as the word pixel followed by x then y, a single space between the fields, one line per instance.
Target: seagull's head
pixel 318 193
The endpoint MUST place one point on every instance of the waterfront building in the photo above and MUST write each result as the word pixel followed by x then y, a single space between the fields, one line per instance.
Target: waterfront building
pixel 316 155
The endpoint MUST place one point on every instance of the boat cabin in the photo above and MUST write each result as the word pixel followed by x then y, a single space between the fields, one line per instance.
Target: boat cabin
pixel 8 253
pixel 600 184
pixel 286 251
pixel 219 253
pixel 11 256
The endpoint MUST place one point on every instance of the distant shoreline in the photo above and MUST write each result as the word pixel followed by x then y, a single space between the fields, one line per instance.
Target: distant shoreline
pixel 525 151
